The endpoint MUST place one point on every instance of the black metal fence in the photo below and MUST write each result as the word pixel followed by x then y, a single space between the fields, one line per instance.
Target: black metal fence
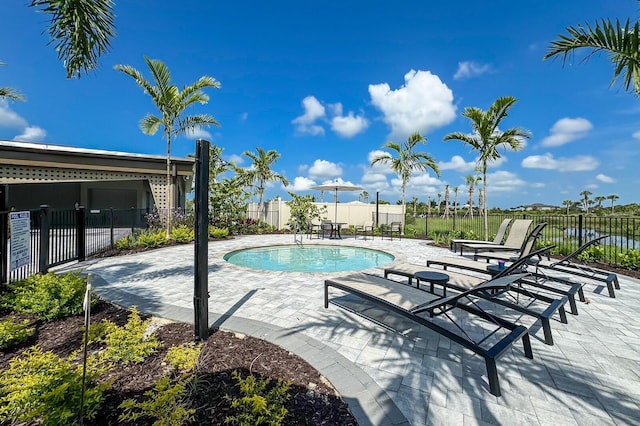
pixel 60 236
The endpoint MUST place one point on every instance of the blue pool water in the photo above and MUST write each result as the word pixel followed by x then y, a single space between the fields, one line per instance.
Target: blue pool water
pixel 312 258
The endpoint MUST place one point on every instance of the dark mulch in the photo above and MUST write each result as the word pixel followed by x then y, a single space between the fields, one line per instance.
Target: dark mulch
pixel 313 400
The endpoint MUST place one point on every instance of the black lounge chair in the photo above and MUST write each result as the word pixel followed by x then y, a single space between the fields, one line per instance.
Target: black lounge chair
pixel 410 302
pixel 542 311
pixel 567 265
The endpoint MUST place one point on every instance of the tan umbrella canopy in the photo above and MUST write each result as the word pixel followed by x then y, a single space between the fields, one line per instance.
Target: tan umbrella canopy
pixel 337 186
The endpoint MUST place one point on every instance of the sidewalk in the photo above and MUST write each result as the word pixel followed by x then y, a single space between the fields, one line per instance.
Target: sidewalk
pixel 590 376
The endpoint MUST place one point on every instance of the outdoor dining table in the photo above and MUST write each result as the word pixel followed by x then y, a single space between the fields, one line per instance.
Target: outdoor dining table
pixel 335 230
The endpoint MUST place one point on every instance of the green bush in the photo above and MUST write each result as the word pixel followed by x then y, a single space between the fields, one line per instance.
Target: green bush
pixel 44 388
pixel 218 233
pixel 127 344
pixel 592 254
pixel 630 259
pixel 166 403
pixel 151 239
pixel 182 234
pixel 13 333
pixel 410 231
pixel 127 242
pixel 258 404
pixel 47 296
pixel 183 357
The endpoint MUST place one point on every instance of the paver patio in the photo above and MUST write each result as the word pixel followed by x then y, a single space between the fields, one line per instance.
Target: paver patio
pixel 391 371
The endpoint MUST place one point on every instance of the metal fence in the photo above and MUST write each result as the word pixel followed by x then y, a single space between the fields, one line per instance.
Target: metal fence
pixel 60 236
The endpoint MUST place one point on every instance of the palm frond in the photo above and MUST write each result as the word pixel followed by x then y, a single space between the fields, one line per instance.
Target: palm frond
pixel 81 31
pixel 11 93
pixel 150 124
pixel 191 122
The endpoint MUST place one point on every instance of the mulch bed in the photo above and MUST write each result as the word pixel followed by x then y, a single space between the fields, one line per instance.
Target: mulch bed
pixel 313 401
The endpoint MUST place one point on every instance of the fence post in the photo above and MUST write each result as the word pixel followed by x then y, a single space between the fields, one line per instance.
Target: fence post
pixel 81 234
pixel 111 226
pixel 579 230
pixel 4 234
pixel 201 212
pixel 43 259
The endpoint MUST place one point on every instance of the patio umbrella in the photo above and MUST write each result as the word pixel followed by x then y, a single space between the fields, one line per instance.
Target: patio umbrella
pixel 337 186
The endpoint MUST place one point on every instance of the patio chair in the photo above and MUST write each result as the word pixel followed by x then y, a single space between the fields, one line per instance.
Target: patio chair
pixel 502 230
pixel 364 230
pixel 314 228
pixel 567 265
pixel 412 303
pixel 393 227
pixel 327 229
pixel 543 310
pixel 515 239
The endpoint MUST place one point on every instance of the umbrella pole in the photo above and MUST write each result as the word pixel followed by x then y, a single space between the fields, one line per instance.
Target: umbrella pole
pixel 335 209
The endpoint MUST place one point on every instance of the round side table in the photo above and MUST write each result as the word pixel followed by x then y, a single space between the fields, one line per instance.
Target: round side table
pixel 433 278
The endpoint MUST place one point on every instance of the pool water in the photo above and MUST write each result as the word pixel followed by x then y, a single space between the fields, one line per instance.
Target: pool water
pixel 312 258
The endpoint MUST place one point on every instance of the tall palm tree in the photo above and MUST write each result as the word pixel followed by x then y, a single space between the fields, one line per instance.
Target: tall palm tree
pixel 407 161
pixel 446 202
pixel 81 31
pixel 487 138
pixel 455 200
pixel 9 92
pixel 471 182
pixel 172 103
pixel 429 205
pixel 414 201
pixel 260 172
pixel 439 202
pixel 586 202
pixel 568 204
pixel 599 199
pixel 480 197
pixel 613 198
pixel 620 41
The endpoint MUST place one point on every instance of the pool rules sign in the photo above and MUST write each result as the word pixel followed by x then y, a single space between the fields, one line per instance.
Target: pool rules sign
pixel 20 252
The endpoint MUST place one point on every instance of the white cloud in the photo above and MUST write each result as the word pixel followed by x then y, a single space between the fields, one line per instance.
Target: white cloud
pixel 503 181
pixel 379 167
pixel 198 133
pixel 605 178
pixel 301 183
pixel 31 134
pixel 546 161
pixel 236 159
pixel 469 69
pixel 592 186
pixel 8 117
pixel 323 169
pixel 313 110
pixel 458 164
pixel 636 135
pixel 566 130
pixel 422 104
pixel 349 125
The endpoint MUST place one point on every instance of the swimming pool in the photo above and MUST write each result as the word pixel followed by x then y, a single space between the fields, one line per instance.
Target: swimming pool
pixel 311 258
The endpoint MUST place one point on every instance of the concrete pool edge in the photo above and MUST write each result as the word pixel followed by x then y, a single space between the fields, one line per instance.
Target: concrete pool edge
pixel 367 401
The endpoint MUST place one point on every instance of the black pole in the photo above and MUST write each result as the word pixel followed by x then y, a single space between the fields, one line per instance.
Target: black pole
pixel 580 230
pixel 81 234
pixel 201 206
pixel 44 240
pixel 377 209
pixel 4 234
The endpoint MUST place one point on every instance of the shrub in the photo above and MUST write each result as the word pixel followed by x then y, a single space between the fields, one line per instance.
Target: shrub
pixel 592 254
pixel 182 234
pixel 410 231
pixel 127 242
pixel 152 239
pixel 259 405
pixel 630 259
pixel 47 296
pixel 127 344
pixel 165 402
pixel 13 333
pixel 183 357
pixel 40 386
pixel 218 233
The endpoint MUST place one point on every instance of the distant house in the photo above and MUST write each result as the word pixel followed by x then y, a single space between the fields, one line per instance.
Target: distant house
pixel 538 206
pixel 63 177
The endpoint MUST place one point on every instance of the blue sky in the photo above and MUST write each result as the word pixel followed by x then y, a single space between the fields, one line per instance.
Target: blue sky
pixel 327 84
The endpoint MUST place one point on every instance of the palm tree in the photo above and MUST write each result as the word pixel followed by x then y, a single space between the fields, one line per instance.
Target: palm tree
pixel 568 204
pixel 613 198
pixel 171 102
pixel 480 197
pixel 446 202
pixel 81 31
pixel 471 181
pixel 585 200
pixel 455 200
pixel 9 92
pixel 260 172
pixel 486 139
pixel 439 202
pixel 414 201
pixel 599 199
pixel 429 205
pixel 407 161
pixel 619 41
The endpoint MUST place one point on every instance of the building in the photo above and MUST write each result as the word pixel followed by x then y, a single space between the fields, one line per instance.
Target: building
pixel 64 177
